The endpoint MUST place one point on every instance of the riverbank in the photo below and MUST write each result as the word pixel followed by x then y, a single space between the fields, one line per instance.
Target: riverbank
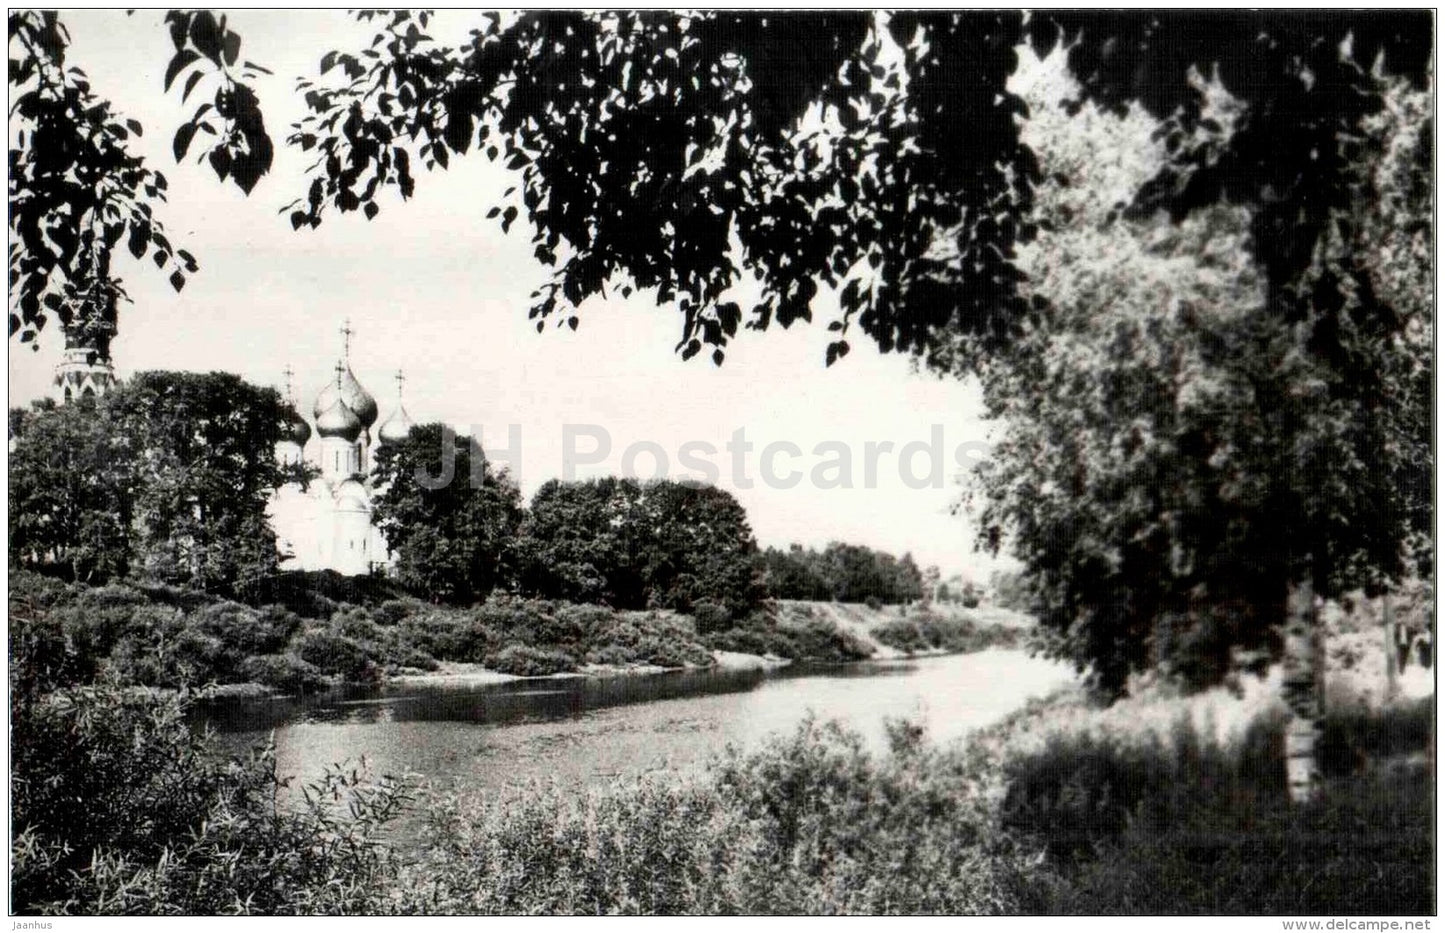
pixel 461 674
pixel 167 639
pixel 1065 806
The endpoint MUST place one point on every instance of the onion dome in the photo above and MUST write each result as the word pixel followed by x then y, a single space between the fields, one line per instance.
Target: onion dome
pixel 345 388
pixel 338 420
pixel 294 427
pixel 398 424
pixel 396 427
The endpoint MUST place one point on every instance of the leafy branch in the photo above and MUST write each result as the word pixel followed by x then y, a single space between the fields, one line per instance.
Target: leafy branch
pixel 75 192
pixel 205 47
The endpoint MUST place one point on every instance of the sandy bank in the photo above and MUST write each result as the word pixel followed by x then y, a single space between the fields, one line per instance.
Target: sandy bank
pixel 456 674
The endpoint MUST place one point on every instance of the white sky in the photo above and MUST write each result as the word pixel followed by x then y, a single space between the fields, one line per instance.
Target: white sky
pixel 434 289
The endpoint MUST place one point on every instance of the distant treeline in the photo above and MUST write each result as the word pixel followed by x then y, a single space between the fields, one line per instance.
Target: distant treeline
pixel 166 479
pixel 843 572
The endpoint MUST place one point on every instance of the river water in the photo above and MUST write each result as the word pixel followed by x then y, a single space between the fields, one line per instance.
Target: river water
pixel 589 731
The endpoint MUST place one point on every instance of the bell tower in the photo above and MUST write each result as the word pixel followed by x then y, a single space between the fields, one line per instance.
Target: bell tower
pixel 85 368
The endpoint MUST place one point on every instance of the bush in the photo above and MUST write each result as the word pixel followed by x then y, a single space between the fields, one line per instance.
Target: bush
pixel 820 639
pixel 671 653
pixel 806 636
pixel 709 616
pixel 118 808
pixel 810 824
pixel 611 655
pixel 285 672
pixel 332 653
pixel 392 611
pixel 930 632
pixel 448 635
pixel 529 661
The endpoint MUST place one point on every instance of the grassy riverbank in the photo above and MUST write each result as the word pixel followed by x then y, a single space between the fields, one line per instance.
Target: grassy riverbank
pixel 1061 808
pixel 167 638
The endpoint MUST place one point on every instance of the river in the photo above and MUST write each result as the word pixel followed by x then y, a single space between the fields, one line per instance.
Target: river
pixel 588 731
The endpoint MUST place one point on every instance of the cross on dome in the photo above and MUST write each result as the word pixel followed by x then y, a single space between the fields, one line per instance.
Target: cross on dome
pixel 398 425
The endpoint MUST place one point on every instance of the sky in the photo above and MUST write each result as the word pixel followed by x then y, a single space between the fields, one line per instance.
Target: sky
pixel 432 288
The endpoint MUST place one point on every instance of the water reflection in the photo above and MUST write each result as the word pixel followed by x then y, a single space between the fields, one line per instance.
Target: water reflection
pixel 517 701
pixel 501 738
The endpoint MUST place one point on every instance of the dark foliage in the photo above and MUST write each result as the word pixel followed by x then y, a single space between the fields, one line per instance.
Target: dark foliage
pixel 117 808
pixel 928 631
pixel 663 544
pixel 448 514
pixel 1187 826
pixel 850 573
pixel 544 93
pixel 165 478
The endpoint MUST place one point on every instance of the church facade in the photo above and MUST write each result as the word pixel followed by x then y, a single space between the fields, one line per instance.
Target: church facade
pixel 329 525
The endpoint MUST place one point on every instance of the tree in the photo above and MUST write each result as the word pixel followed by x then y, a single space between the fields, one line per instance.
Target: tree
pixel 931 588
pixel 835 150
pixel 795 574
pixel 208 472
pixel 579 543
pixel 630 545
pixel 69 488
pixel 841 572
pixel 453 534
pixel 167 477
pixel 1182 468
pixel 698 547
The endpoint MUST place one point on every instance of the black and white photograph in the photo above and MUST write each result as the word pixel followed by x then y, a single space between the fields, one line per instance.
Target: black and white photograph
pixel 729 462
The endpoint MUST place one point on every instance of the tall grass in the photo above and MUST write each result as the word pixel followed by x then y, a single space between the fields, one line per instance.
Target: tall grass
pixel 1191 825
pixel 810 824
pixel 118 808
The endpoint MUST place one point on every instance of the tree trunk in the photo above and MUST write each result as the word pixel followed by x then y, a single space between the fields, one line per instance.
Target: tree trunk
pixel 1392 670
pixel 1302 689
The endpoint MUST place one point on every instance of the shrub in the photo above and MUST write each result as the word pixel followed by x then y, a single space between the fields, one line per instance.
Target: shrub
pixel 118 808
pixel 810 824
pixel 709 616
pixel 285 672
pixel 413 658
pixel 821 640
pixel 449 635
pixel 670 652
pixel 336 654
pixel 392 611
pixel 530 661
pixel 806 636
pixel 613 655
pixel 1354 734
pixel 929 631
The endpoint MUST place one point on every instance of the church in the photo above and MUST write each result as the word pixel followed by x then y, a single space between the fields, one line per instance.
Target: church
pixel 328 525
